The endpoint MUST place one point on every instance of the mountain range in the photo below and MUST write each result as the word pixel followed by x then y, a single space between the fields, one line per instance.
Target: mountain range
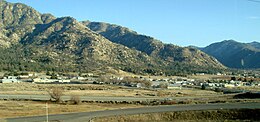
pixel 33 41
pixel 150 46
pixel 234 54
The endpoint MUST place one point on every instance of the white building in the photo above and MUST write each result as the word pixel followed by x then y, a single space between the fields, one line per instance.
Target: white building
pixel 10 79
pixel 175 86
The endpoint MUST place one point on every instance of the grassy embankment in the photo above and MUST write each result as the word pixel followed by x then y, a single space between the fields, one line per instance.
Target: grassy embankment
pixel 191 116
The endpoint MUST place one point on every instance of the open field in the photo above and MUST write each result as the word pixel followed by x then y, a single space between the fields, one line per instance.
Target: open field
pixel 88 116
pixel 100 90
pixel 24 108
pixel 249 88
pixel 233 115
pixel 178 96
pixel 31 108
pixel 207 76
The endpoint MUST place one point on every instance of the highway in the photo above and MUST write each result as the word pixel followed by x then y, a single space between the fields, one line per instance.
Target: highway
pixel 84 98
pixel 102 98
pixel 86 116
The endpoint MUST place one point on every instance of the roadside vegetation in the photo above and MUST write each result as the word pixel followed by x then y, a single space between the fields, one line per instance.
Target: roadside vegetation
pixel 56 93
pixel 11 108
pixel 194 116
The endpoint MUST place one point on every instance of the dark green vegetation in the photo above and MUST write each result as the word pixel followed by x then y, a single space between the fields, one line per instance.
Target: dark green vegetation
pixel 31 41
pixel 249 95
pixel 234 54
pixel 194 116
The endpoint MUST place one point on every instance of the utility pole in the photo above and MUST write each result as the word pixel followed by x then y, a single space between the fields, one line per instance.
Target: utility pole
pixel 47 115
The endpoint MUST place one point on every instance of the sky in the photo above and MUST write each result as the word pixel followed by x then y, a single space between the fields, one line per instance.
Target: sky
pixel 179 22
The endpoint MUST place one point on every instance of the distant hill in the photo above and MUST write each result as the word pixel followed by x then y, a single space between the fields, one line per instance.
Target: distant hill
pixel 33 41
pixel 255 45
pixel 235 54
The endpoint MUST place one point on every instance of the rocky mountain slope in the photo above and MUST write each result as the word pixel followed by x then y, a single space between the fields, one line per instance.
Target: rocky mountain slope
pixel 152 47
pixel 255 45
pixel 56 40
pixel 30 40
pixel 235 54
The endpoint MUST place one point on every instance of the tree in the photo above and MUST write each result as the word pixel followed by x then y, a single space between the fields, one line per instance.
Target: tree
pixel 48 73
pixel 75 100
pixel 103 79
pixel 245 80
pixel 54 76
pixel 56 93
pixel 147 84
pixel 163 85
pixel 233 78
pixel 203 87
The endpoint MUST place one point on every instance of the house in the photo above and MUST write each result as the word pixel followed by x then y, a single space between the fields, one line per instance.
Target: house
pixel 139 85
pixel 200 73
pixel 31 75
pixel 44 80
pixel 87 74
pixel 39 80
pixel 64 81
pixel 90 74
pixel 24 77
pixel 218 73
pixel 191 80
pixel 81 78
pixel 229 85
pixel 10 79
pixel 175 86
pixel 156 84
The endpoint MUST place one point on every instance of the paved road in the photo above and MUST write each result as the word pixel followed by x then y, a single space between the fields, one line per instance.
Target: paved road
pixel 86 116
pixel 87 98
pixel 102 98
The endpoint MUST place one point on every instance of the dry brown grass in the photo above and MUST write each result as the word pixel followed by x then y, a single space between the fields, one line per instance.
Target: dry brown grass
pixel 30 108
pixel 194 116
pixel 99 90
pixel 187 93
pixel 250 88
pixel 207 76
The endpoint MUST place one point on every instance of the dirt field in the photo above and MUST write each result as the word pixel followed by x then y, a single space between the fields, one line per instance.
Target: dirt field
pixel 249 88
pixel 190 116
pixel 100 90
pixel 31 108
pixel 25 108
pixel 207 76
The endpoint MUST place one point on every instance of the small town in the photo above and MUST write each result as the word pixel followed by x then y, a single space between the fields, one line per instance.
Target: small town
pixel 129 61
pixel 176 82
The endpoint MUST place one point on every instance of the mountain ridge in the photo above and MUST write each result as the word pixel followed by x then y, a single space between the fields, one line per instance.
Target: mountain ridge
pixel 235 54
pixel 149 45
pixel 64 44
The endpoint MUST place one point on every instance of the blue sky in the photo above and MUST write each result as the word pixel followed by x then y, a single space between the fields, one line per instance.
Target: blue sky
pixel 180 22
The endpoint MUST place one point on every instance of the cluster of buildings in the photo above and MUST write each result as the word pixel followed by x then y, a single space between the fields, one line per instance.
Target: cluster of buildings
pixel 47 79
pixel 230 84
pixel 169 83
pixel 14 79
